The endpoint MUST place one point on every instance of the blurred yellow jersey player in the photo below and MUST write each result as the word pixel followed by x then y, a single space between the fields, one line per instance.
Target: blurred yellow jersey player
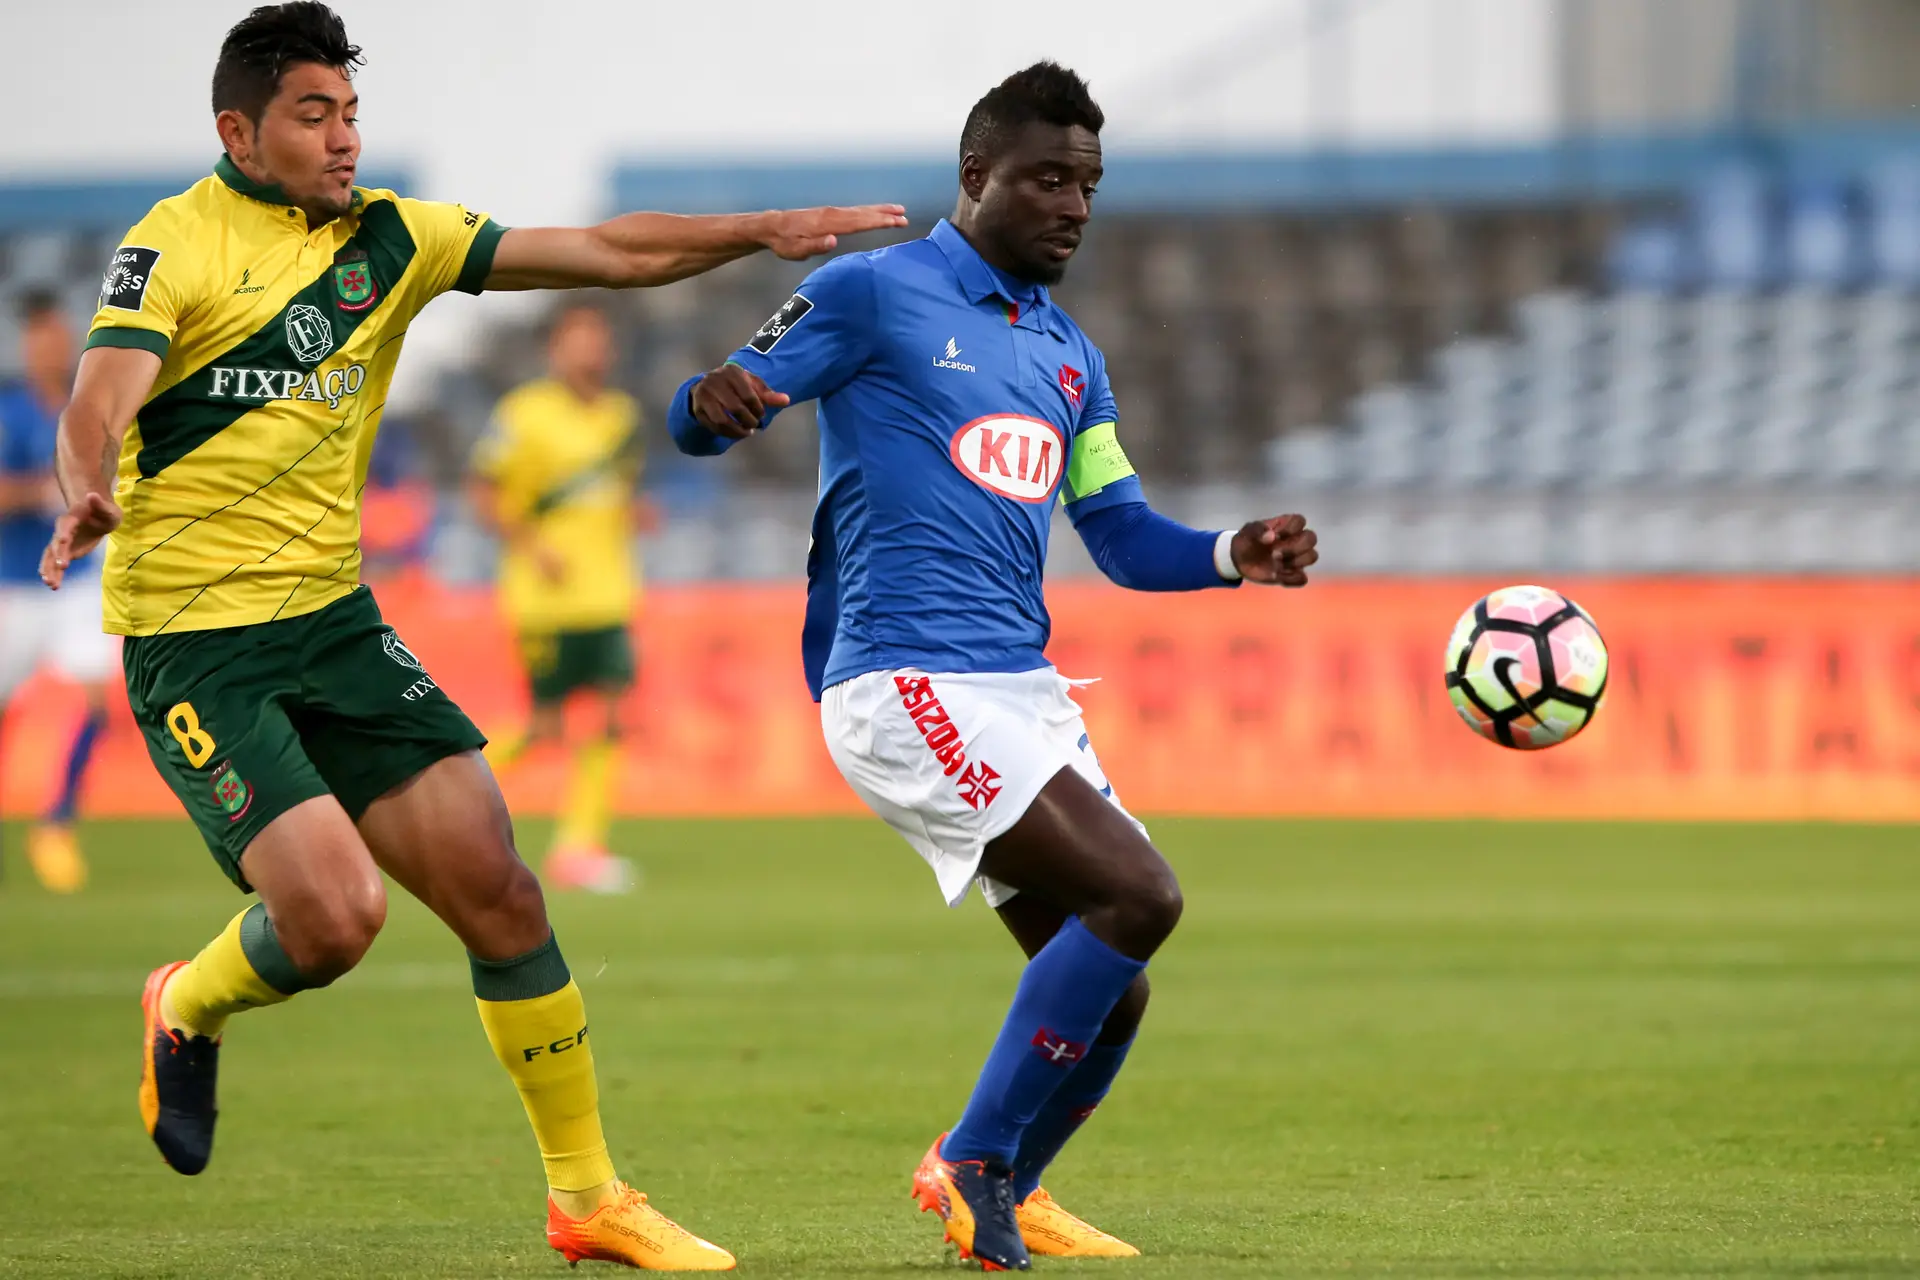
pixel 555 478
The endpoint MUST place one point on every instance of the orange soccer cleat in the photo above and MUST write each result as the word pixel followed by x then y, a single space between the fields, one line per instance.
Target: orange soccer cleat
pixel 628 1230
pixel 975 1199
pixel 1052 1232
pixel 178 1073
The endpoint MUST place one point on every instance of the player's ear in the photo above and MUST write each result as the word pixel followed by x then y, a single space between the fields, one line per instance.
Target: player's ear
pixel 973 175
pixel 236 133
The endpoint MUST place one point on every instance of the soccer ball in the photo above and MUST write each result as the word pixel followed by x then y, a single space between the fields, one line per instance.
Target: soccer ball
pixel 1526 668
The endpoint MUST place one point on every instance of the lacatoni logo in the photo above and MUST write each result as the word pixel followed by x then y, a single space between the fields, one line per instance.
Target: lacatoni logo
pixel 1015 456
pixel 328 388
pixel 950 359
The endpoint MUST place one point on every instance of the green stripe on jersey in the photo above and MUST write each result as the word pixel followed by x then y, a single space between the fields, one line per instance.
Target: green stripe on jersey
pixel 204 403
pixel 130 339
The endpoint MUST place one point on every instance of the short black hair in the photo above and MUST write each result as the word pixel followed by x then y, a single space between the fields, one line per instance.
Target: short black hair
pixel 1044 93
pixel 37 304
pixel 262 45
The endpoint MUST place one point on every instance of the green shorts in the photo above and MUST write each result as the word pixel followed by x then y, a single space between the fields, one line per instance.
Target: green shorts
pixel 562 662
pixel 246 722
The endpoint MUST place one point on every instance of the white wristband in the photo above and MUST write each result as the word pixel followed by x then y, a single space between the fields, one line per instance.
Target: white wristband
pixel 1223 557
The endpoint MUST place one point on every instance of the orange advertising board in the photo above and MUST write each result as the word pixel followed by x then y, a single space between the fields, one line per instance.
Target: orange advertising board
pixel 1728 699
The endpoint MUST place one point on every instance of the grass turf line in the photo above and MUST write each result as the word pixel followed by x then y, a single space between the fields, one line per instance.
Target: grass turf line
pixel 1450 1049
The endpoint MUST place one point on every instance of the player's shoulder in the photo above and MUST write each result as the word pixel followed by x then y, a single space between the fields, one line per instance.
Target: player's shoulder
pixel 180 219
pixel 421 217
pixel 906 259
pixel 867 266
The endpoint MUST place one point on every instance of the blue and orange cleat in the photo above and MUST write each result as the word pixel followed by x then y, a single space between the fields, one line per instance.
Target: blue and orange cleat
pixel 628 1230
pixel 177 1075
pixel 975 1199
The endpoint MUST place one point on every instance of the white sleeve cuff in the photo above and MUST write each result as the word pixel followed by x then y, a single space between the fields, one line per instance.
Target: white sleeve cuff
pixel 1223 557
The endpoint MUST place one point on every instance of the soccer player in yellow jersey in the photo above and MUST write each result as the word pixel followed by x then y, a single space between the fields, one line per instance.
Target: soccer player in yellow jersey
pixel 554 478
pixel 217 439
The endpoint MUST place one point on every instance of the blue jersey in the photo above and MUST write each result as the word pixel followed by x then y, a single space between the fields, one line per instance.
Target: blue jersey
pixel 27 435
pixel 957 407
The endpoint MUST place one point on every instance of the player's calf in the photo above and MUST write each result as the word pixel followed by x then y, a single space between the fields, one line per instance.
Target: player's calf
pixel 1123 1023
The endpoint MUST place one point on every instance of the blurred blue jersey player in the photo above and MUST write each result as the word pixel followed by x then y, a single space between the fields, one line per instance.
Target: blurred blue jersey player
pixel 61 632
pixel 958 404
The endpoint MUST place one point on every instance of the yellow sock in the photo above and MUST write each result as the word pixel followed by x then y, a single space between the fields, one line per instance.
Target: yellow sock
pixel 586 815
pixel 243 968
pixel 537 1024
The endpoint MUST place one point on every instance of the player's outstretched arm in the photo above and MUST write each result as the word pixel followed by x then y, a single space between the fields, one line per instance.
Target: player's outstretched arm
pixel 641 249
pixel 1142 550
pixel 108 390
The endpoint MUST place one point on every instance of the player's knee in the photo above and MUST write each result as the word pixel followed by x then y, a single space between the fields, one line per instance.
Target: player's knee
pixel 1149 909
pixel 326 943
pixel 518 899
pixel 1124 1019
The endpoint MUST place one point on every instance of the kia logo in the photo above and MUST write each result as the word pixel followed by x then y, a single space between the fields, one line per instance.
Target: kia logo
pixel 1015 456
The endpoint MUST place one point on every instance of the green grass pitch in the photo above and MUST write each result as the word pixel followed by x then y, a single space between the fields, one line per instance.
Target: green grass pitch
pixel 1375 1049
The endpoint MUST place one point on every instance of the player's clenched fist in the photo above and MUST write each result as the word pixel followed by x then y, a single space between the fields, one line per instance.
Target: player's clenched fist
pixel 1279 551
pixel 798 234
pixel 733 403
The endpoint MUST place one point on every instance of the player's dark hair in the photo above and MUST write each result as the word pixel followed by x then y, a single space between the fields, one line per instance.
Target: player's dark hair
pixel 37 304
pixel 1044 93
pixel 262 45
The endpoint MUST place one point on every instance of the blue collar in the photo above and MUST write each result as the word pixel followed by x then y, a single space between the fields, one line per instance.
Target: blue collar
pixel 981 280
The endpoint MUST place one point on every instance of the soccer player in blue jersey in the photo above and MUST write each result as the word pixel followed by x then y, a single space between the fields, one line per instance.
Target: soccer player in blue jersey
pixel 61 633
pixel 956 402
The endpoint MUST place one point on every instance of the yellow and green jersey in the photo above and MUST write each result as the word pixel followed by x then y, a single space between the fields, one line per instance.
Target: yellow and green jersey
pixel 566 468
pixel 241 476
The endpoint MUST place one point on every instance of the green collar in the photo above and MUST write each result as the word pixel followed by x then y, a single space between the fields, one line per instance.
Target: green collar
pixel 266 192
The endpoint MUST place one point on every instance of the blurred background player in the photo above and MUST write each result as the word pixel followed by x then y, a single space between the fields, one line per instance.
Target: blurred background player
pixel 61 632
pixel 555 481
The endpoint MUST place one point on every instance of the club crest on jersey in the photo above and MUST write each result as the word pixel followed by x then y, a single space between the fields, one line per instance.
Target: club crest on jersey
pixel 1010 454
pixel 235 797
pixel 353 282
pixel 1072 382
pixel 309 333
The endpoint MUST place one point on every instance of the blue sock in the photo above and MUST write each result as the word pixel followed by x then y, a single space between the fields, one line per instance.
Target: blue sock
pixel 77 756
pixel 1064 1113
pixel 1063 998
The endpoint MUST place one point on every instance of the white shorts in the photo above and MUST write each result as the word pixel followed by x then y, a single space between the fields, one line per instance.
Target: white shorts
pixel 57 629
pixel 952 761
